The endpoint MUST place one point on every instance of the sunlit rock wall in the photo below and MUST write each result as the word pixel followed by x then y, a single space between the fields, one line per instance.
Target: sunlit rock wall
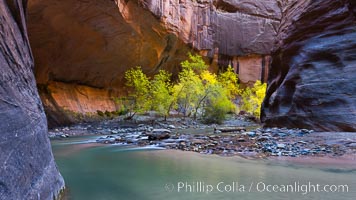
pixel 92 43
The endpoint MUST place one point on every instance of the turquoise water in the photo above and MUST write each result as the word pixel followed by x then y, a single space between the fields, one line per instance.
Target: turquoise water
pixel 112 172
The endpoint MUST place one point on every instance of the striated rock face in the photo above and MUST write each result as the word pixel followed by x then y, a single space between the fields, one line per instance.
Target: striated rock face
pixel 312 78
pixel 238 32
pixel 89 44
pixel 92 43
pixel 27 167
pixel 226 27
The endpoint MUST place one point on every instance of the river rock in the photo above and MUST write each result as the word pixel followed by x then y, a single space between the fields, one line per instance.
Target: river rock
pixel 352 145
pixel 305 151
pixel 198 141
pixel 171 126
pixel 263 138
pixel 251 134
pixel 108 139
pixel 158 134
pixel 281 146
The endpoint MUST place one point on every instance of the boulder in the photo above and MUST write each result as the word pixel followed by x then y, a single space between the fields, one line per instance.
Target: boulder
pixel 158 134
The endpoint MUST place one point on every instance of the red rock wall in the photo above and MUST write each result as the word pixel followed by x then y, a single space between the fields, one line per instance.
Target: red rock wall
pixel 252 68
pixel 237 27
pixel 67 103
pixel 93 43
pixel 81 98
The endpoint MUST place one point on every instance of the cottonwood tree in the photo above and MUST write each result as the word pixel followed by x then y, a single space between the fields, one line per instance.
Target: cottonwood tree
pixel 162 100
pixel 197 92
pixel 139 95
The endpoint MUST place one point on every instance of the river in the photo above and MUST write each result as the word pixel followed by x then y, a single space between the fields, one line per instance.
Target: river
pixel 112 172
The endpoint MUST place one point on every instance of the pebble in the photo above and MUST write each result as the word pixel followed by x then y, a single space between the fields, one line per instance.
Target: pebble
pixel 269 141
pixel 352 145
pixel 251 134
pixel 171 126
pixel 281 146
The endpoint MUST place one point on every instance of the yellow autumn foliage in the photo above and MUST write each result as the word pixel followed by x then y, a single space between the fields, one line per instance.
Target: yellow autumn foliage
pixel 198 92
pixel 252 98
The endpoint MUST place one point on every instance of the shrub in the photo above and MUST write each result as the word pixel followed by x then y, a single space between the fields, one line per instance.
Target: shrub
pixel 108 114
pixel 122 110
pixel 217 105
pixel 100 113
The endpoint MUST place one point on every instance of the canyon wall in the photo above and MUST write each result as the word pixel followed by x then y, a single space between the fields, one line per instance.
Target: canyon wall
pixel 27 167
pixel 90 44
pixel 83 48
pixel 313 73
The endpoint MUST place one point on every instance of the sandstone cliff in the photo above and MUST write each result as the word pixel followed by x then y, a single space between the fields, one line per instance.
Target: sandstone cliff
pixel 90 44
pixel 312 78
pixel 82 49
pixel 27 167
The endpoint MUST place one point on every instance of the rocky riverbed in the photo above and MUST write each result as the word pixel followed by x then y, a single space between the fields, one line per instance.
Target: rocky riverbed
pixel 238 136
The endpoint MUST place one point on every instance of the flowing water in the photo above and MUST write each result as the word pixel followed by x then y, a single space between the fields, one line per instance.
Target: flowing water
pixel 112 172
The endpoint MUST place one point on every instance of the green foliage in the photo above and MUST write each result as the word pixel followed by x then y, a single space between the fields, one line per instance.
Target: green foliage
pixel 195 63
pixel 230 80
pixel 117 100
pixel 161 90
pixel 122 110
pixel 108 114
pixel 122 103
pixel 100 113
pixel 140 93
pixel 188 91
pixel 197 93
pixel 252 98
pixel 217 104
